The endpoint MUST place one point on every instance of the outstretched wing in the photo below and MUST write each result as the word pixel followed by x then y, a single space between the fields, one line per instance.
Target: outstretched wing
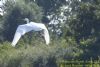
pixel 40 26
pixel 46 36
pixel 21 30
pixel 16 38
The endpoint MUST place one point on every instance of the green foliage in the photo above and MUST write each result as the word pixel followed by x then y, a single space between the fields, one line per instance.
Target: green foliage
pixel 84 28
pixel 35 55
pixel 80 34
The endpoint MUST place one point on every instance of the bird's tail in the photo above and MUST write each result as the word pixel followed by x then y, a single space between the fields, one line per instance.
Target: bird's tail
pixel 16 38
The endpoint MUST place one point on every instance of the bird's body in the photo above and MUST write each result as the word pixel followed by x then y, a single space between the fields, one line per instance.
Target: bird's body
pixel 22 29
pixel 30 26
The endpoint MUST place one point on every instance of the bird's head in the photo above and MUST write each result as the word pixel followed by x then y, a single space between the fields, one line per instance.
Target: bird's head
pixel 26 20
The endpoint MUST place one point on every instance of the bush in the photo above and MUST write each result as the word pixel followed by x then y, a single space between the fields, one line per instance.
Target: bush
pixel 38 55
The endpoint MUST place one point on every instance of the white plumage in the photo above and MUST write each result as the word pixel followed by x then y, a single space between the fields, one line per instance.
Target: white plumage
pixel 22 29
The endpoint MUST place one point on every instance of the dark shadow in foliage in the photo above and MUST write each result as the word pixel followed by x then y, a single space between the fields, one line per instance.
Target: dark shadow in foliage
pixel 50 6
pixel 50 62
pixel 14 63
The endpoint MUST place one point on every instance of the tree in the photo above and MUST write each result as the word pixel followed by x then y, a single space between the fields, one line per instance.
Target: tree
pixel 84 27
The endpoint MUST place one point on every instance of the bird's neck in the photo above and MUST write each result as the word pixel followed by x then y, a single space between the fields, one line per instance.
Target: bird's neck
pixel 27 21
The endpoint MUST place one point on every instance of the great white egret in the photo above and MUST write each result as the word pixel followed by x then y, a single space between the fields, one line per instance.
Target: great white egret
pixel 22 29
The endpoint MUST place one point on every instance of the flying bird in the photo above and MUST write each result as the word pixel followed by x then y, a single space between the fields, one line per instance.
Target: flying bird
pixel 25 28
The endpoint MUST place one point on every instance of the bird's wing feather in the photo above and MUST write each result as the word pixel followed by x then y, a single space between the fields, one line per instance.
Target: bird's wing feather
pixel 16 38
pixel 21 30
pixel 46 36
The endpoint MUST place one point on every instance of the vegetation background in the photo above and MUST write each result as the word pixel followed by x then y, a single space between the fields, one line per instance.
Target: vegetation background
pixel 74 27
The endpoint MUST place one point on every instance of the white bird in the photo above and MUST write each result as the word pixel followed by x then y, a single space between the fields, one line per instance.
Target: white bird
pixel 22 29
